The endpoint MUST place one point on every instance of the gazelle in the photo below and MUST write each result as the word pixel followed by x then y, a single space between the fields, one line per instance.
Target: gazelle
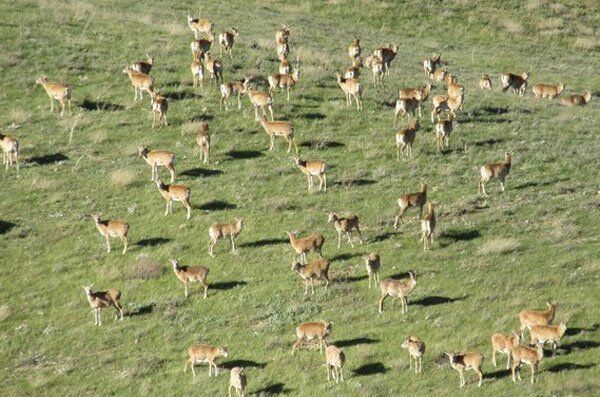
pixel 354 48
pixel 351 88
pixel 283 81
pixel 529 356
pixel 421 94
pixel 416 350
pixel 204 353
pixel 283 32
pixel 160 106
pixel 314 330
pixel 335 359
pixel 200 26
pixel 173 193
pixel 408 200
pixel 10 150
pixel 529 318
pixel 262 100
pixel 214 67
pixel 200 47
pixel 397 289
pixel 353 71
pixel 377 67
pixel 542 334
pixel 237 381
pixel 438 75
pixel 312 168
pixel 102 299
pixel 143 66
pixel 443 129
pixel 454 89
pixel 373 265
pixel 550 91
pixel 428 227
pixel 495 171
pixel 190 274
pixel 577 100
pixel 285 67
pixel 219 230
pixel 197 69
pixel 203 142
pixel 430 66
pixel 279 128
pixel 345 225
pixel 485 83
pixel 57 92
pixel 283 48
pixel 465 361
pixel 157 158
pixel 405 139
pixel 140 82
pixel 226 40
pixel 387 55
pixel 315 270
pixel 304 245
pixel 504 344
pixel 112 228
pixel 406 106
pixel 518 83
pixel 237 88
pixel 446 103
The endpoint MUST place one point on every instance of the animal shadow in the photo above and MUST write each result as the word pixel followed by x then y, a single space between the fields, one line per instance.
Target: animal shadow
pixel 370 369
pixel 572 331
pixel 226 285
pixel 344 257
pixel 200 172
pixel 273 389
pixel 355 342
pixel 217 205
pixel 153 242
pixel 437 300
pixel 177 96
pixel 569 367
pixel 499 374
pixel 49 159
pixel 101 106
pixel 579 345
pixel 319 144
pixel 313 116
pixel 461 235
pixel 244 154
pixel 242 363
pixel 6 226
pixel 142 310
pixel 264 242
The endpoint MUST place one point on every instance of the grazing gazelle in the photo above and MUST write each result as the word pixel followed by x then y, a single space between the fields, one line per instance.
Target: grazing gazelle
pixel 262 100
pixel 314 330
pixel 416 350
pixel 157 158
pixel 465 361
pixel 529 356
pixel 352 89
pixel 112 228
pixel 315 270
pixel 141 82
pixel 219 230
pixel 200 26
pixel 304 245
pixel 518 83
pixel 203 353
pixel 143 66
pixel 530 318
pixel 335 359
pixel 405 139
pixel 577 100
pixel 103 299
pixel 495 171
pixel 397 289
pixel 485 83
pixel 312 168
pixel 10 150
pixel 173 193
pixel 408 200
pixel 237 88
pixel 160 105
pixel 283 81
pixel 279 128
pixel 237 381
pixel 504 343
pixel 428 227
pixel 57 92
pixel 190 274
pixel 345 225
pixel 226 40
pixel 373 265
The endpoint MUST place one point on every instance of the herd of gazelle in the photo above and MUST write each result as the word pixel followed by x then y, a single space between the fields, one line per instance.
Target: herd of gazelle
pixel 538 322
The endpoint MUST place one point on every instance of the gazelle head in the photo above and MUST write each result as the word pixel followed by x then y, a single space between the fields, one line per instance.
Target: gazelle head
pixel 175 263
pixel 224 351
pixel 234 31
pixel 96 216
pixel 142 150
pixel 394 48
pixel 41 80
pixel 508 156
pixel 516 338
pixel 331 217
pixel 561 88
pixel 327 325
pixel 562 327
pixel 423 186
pixel 190 19
pixel 127 69
pixel 524 75
pixel 413 124
pixel 149 59
pixel 587 96
pixel 239 222
pixel 413 276
pixel 88 289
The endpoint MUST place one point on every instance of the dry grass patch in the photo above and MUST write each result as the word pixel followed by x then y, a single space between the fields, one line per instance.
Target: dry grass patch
pixel 122 177
pixel 550 24
pixel 19 116
pixel 4 313
pixel 499 246
pixel 586 43
pixel 512 26
pixel 144 269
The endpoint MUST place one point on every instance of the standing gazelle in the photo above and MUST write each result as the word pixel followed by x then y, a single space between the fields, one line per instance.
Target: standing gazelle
pixel 157 158
pixel 503 343
pixel 226 40
pixel 465 361
pixel 416 350
pixel 345 226
pixel 200 25
pixel 219 230
pixel 518 83
pixel 443 129
pixel 312 168
pixel 57 92
pixel 190 274
pixel 279 128
pixel 352 89
pixel 373 265
pixel 405 138
pixel 141 82
pixel 160 105
pixel 486 82
pixel 173 193
pixel 262 100
pixel 397 289
pixel 237 88
pixel 237 381
pixel 112 228
pixel 203 142
pixel 529 356
pixel 335 359
pixel 428 227
pixel 417 199
pixel 495 171
pixel 10 150
pixel 354 48
pixel 103 299
pixel 283 81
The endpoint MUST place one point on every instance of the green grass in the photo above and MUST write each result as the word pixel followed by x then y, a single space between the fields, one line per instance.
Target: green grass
pixel 537 242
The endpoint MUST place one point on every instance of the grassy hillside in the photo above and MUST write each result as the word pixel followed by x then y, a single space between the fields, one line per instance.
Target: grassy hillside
pixel 536 242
